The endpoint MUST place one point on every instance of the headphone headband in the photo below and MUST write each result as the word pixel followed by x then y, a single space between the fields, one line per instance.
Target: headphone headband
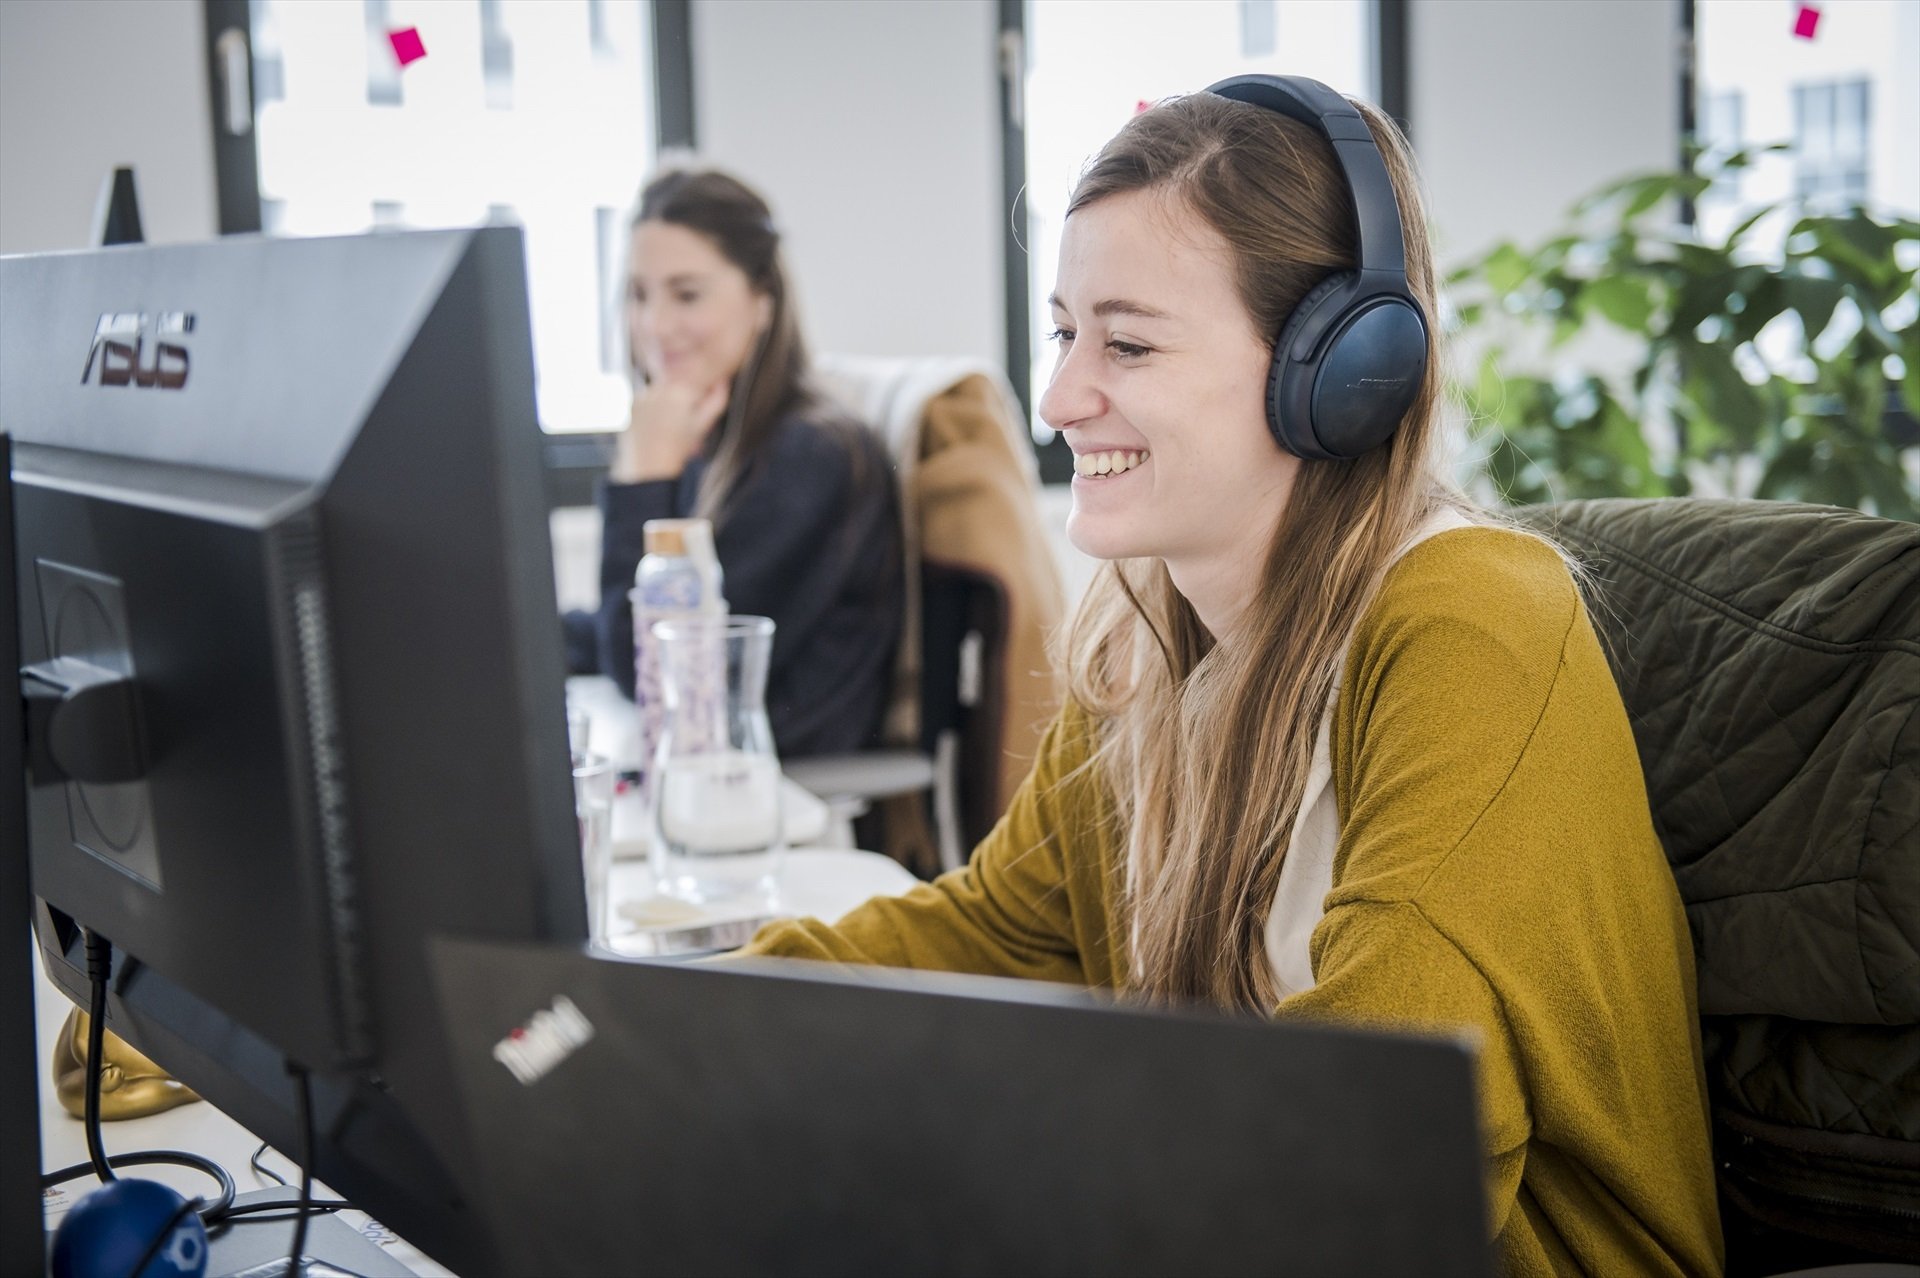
pixel 1349 361
pixel 1376 213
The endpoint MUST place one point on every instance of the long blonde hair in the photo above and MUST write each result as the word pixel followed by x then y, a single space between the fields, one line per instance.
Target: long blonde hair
pixel 1206 744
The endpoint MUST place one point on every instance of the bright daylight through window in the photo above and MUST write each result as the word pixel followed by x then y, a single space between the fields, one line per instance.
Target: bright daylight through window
pixel 529 112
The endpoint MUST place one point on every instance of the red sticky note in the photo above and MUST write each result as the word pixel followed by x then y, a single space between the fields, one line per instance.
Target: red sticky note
pixel 1806 22
pixel 406 45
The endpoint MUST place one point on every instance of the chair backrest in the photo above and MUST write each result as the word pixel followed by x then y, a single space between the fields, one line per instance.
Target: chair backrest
pixel 1769 658
pixel 984 594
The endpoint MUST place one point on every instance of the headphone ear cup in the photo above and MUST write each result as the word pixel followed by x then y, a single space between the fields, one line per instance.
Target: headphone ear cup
pixel 1352 395
pixel 1290 385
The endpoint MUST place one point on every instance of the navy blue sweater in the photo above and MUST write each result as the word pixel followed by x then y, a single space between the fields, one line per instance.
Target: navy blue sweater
pixel 804 542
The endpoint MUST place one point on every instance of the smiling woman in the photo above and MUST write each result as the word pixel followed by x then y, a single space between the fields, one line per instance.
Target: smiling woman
pixel 1284 782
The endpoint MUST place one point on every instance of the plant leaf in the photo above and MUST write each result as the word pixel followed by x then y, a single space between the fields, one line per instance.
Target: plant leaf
pixel 1623 299
pixel 1815 298
pixel 1506 269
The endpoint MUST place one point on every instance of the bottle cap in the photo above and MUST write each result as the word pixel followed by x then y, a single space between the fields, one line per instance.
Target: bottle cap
pixel 666 536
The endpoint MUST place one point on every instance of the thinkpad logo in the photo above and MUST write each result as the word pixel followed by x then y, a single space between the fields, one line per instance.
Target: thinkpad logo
pixel 133 348
pixel 549 1037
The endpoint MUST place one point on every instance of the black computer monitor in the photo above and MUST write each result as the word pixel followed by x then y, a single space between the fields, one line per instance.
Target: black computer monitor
pixel 293 677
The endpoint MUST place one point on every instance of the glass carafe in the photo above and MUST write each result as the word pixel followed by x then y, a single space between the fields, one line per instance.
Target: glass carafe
pixel 716 795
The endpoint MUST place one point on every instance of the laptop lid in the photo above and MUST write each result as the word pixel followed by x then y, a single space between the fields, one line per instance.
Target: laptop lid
pixel 772 1117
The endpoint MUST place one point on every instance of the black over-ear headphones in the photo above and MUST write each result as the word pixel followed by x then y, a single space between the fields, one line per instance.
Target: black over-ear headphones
pixel 1350 359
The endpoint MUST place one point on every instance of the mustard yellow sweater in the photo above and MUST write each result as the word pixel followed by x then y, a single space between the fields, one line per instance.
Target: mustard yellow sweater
pixel 1497 869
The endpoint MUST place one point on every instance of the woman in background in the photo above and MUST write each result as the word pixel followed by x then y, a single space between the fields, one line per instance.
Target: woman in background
pixel 1338 745
pixel 725 427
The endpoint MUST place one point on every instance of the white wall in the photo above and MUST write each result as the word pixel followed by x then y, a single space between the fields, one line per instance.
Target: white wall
pixel 1518 109
pixel 874 129
pixel 89 84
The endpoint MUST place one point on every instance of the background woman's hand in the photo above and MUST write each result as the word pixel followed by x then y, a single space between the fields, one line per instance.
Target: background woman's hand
pixel 667 428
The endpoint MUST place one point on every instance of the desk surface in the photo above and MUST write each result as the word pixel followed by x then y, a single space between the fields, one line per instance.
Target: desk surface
pixel 825 884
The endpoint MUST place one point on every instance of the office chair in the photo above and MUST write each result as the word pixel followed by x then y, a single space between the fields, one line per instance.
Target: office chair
pixel 1769 658
pixel 973 682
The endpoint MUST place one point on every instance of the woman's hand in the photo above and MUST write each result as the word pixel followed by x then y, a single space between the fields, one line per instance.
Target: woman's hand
pixel 667 428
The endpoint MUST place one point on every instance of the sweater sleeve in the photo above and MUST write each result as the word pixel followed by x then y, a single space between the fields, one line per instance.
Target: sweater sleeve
pixel 1386 966
pixel 1011 911
pixel 1425 744
pixel 1498 874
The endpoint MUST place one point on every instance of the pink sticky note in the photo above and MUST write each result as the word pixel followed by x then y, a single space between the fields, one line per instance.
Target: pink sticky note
pixel 1806 22
pixel 406 45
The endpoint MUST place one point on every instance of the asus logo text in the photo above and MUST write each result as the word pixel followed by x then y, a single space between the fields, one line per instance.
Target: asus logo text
pixel 121 346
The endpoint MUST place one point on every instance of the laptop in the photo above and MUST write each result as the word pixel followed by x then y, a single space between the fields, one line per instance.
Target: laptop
pixel 767 1117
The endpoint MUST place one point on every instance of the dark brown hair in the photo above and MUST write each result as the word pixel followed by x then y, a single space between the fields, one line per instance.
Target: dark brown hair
pixel 773 381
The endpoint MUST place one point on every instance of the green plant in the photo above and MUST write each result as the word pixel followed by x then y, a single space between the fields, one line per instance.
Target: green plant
pixel 1794 375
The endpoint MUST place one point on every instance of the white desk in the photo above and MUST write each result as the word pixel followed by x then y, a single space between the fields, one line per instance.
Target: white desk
pixel 825 884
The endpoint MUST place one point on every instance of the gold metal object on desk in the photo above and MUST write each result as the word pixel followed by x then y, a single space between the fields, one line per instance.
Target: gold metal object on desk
pixel 131 1086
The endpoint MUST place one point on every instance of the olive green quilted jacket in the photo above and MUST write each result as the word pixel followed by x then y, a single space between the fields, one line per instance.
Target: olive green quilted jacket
pixel 1769 658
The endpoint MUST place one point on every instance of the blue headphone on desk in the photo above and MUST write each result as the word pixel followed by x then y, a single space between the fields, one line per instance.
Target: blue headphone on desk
pixel 1350 359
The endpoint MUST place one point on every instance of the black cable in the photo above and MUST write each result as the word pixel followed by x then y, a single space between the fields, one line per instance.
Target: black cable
pixel 99 968
pixel 262 1169
pixel 99 972
pixel 159 1157
pixel 304 1094
pixel 286 1210
pixel 153 1247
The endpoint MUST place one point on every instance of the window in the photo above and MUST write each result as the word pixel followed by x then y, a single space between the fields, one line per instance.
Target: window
pixel 1844 102
pixel 383 67
pixel 1830 143
pixel 1259 28
pixel 1721 133
pixel 496 56
pixel 269 72
pixel 535 113
pixel 609 260
pixel 1089 67
pixel 598 33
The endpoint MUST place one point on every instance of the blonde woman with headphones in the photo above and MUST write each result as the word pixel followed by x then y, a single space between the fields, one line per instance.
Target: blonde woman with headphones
pixel 1338 745
pixel 725 426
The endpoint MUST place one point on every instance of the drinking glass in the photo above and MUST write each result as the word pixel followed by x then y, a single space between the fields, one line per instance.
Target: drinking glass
pixel 593 784
pixel 716 792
